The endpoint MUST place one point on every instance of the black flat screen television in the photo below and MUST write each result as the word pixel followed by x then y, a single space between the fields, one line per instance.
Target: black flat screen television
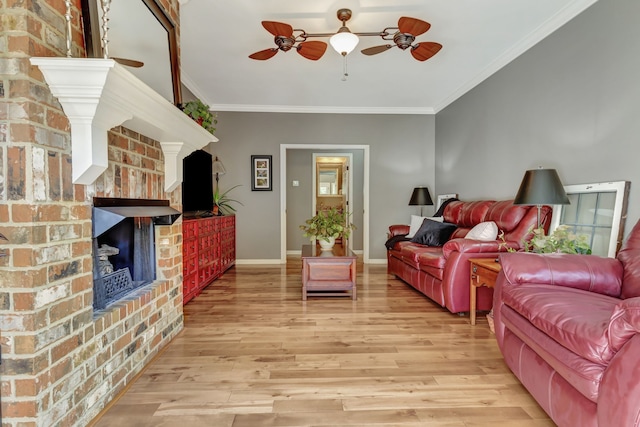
pixel 197 183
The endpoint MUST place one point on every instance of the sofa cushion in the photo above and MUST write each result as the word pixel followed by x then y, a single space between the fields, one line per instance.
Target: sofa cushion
pixel 506 215
pixel 409 252
pixel 473 213
pixel 578 320
pixel 433 259
pixel 485 231
pixel 451 213
pixel 433 233
pixel 416 223
pixel 460 233
pixel 585 272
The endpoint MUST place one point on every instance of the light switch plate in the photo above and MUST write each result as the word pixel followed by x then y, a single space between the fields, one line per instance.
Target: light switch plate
pixel 296 183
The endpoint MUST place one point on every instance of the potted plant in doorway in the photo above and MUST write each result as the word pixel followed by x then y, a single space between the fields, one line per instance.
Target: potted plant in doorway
pixel 326 226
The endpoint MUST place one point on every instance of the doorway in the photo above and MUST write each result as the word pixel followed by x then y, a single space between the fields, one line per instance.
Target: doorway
pixel 363 187
pixel 332 184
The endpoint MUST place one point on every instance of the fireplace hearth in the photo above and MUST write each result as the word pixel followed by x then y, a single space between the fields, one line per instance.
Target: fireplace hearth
pixel 124 245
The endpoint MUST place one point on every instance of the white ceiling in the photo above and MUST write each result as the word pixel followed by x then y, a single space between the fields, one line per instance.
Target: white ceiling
pixel 478 37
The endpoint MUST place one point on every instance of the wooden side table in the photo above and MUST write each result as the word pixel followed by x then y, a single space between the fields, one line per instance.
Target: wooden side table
pixel 484 272
pixel 328 273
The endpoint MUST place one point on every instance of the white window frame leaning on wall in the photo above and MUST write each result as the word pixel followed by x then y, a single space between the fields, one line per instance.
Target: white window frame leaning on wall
pixel 611 215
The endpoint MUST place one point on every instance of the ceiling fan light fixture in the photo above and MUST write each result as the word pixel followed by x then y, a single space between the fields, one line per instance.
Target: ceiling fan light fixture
pixel 344 41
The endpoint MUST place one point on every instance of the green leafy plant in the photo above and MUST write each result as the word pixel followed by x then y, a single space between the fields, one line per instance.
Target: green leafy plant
pixel 561 240
pixel 223 202
pixel 200 112
pixel 326 224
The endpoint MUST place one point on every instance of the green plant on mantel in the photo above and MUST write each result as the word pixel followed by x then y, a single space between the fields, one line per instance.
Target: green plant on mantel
pixel 561 240
pixel 326 224
pixel 222 202
pixel 200 112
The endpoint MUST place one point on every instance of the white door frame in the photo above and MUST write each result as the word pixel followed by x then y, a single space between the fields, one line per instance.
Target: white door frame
pixel 283 192
pixel 314 181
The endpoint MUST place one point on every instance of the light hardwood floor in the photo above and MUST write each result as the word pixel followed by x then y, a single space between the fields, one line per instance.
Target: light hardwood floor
pixel 253 354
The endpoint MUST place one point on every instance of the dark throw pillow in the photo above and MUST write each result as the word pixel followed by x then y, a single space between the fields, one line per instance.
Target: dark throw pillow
pixel 434 233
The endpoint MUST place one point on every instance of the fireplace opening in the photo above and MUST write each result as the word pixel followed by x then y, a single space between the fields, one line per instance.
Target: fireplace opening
pixel 124 245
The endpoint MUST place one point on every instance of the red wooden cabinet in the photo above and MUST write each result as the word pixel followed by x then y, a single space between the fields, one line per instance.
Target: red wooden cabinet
pixel 227 242
pixel 208 250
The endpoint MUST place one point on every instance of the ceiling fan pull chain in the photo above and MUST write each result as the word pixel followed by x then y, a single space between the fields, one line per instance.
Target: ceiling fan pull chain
pixel 345 74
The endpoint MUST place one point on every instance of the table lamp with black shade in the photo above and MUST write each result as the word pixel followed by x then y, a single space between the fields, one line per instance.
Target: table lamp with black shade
pixel 420 197
pixel 541 187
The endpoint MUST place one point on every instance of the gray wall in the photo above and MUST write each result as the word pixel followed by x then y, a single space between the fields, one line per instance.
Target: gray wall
pixel 401 155
pixel 300 199
pixel 570 103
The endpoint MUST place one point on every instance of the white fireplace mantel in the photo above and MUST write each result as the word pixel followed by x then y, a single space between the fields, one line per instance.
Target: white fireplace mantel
pixel 99 94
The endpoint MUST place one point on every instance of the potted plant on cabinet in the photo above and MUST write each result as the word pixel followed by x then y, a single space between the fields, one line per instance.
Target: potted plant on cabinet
pixel 326 226
pixel 200 112
pixel 222 203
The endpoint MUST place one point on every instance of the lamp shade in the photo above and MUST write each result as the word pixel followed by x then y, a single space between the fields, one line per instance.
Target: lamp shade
pixel 344 41
pixel 420 197
pixel 218 167
pixel 541 187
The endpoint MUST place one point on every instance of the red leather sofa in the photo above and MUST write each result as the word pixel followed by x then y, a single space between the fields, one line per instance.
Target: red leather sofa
pixel 442 273
pixel 569 329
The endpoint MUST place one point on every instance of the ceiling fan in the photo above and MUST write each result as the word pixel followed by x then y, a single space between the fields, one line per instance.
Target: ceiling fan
pixel 344 41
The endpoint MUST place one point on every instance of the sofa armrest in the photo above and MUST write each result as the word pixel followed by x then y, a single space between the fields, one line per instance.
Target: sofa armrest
pixel 398 229
pixel 620 389
pixel 587 272
pixel 624 323
pixel 474 246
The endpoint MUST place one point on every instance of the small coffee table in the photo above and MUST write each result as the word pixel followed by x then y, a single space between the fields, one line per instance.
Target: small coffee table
pixel 328 273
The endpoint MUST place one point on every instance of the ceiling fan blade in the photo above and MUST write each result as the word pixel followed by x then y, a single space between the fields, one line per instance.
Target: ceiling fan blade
pixel 312 50
pixel 278 28
pixel 413 26
pixel 376 49
pixel 128 62
pixel 425 50
pixel 264 54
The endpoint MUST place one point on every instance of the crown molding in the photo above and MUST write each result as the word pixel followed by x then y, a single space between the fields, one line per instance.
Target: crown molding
pixel 98 94
pixel 322 110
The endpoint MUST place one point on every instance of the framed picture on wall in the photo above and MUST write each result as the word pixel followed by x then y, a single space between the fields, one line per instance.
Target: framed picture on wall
pixel 260 173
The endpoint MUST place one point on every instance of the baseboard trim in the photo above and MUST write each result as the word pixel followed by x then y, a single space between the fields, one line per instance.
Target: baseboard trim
pixel 382 261
pixel 258 261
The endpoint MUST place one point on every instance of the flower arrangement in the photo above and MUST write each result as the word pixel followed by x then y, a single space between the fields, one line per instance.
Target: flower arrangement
pixel 326 224
pixel 561 240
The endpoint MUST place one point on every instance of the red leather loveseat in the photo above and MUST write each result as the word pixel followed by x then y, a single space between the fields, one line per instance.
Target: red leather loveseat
pixel 442 273
pixel 569 329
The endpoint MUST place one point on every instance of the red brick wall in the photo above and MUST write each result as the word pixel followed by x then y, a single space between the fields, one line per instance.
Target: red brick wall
pixel 61 361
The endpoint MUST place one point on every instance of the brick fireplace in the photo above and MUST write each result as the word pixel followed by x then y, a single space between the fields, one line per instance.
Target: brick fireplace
pixel 63 360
